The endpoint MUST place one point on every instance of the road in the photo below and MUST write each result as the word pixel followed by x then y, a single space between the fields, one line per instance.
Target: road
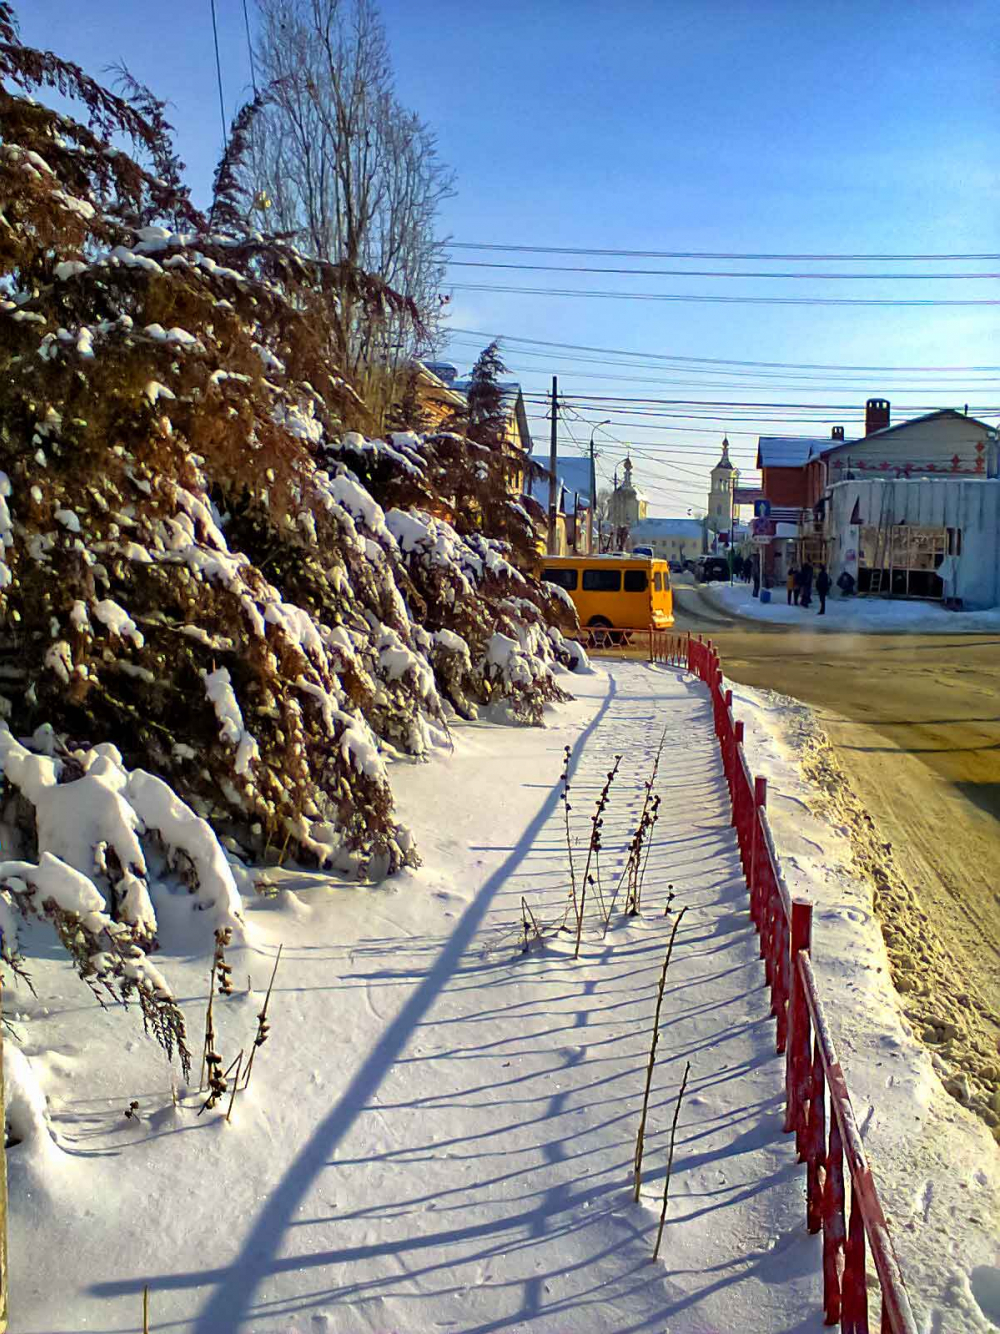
pixel 914 722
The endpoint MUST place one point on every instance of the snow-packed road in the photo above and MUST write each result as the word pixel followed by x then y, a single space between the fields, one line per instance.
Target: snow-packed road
pixel 440 1131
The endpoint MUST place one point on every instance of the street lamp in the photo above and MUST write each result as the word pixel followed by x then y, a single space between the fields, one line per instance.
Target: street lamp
pixel 593 482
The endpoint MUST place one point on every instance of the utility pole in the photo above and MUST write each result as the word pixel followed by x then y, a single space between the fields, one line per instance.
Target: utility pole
pixel 593 545
pixel 553 541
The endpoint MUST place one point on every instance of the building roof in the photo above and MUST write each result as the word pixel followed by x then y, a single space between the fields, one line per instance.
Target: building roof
pixel 572 472
pixel 831 445
pixel 437 387
pixel 792 451
pixel 651 529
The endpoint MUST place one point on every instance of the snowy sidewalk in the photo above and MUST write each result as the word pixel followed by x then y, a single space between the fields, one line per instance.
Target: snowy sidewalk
pixel 856 615
pixel 441 1128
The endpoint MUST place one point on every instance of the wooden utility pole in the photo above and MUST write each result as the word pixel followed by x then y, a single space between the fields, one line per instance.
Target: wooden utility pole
pixel 553 540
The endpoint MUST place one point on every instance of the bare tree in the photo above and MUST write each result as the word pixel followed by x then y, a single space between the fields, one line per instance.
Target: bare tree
pixel 349 171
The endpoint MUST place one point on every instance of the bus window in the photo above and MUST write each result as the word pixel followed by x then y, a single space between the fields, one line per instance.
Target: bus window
pixel 602 581
pixel 564 578
pixel 636 581
pixel 658 582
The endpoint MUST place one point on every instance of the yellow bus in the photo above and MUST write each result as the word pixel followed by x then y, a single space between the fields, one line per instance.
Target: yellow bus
pixel 631 592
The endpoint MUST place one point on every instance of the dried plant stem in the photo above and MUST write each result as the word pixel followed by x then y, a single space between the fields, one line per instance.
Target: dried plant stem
pixel 262 1025
pixel 528 920
pixel 209 1029
pixel 236 1084
pixel 145 1308
pixel 670 1161
pixel 640 1139
pixel 596 824
pixel 567 753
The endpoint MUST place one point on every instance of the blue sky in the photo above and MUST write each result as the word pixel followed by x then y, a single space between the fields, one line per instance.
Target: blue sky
pixel 770 127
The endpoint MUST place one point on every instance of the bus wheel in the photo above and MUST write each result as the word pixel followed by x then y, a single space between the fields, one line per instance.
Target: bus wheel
pixel 601 633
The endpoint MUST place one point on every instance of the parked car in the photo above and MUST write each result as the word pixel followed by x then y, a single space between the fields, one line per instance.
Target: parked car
pixel 711 567
pixel 643 551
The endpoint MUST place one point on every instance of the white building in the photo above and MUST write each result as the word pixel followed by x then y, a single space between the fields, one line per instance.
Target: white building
pixel 670 539
pixel 918 538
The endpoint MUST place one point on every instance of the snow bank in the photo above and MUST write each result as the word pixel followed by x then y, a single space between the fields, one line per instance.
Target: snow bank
pixel 859 615
pixel 935 1164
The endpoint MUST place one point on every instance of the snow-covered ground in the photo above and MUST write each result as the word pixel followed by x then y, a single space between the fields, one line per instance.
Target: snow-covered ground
pixel 439 1129
pixel 859 615
pixel 936 1165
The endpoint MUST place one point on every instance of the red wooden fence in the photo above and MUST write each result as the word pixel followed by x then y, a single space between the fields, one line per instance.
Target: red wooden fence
pixel 815 1088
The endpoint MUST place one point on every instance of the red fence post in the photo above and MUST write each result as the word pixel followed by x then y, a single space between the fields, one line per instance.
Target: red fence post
pixel 854 1312
pixel 736 788
pixel 816 1172
pixel 797 1056
pixel 833 1223
pixel 756 851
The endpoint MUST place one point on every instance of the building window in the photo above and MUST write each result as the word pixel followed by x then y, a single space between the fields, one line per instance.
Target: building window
pixel 636 581
pixel 563 578
pixel 902 559
pixel 602 581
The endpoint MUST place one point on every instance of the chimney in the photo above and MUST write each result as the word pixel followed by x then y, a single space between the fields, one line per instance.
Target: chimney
pixel 876 415
pixel 837 433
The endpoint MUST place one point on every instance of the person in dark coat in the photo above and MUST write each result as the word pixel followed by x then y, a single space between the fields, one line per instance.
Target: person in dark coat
pixel 737 568
pixel 807 584
pixel 797 586
pixel 846 584
pixel 756 576
pixel 822 588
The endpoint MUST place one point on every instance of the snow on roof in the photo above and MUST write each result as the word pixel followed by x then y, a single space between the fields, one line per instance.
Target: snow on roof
pixel 792 451
pixel 573 473
pixel 650 529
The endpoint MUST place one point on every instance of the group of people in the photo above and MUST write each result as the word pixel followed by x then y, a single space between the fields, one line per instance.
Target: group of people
pixel 799 584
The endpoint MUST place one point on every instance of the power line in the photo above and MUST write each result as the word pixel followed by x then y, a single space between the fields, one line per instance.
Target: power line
pixel 705 298
pixel 253 71
pixel 218 74
pixel 709 254
pixel 760 380
pixel 746 403
pixel 714 273
pixel 716 361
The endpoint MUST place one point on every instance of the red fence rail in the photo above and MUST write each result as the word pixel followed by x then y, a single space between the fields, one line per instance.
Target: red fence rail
pixel 816 1091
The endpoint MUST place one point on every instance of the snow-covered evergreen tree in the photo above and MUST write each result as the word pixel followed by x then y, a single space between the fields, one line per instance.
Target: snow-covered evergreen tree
pixel 222 605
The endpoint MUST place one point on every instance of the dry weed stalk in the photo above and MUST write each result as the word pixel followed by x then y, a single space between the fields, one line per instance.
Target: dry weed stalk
pixel 640 1140
pixel 263 1027
pixel 236 1084
pixel 209 1043
pixel 670 1160
pixel 528 920
pixel 145 1308
pixel 564 779
pixel 596 825
pixel 223 971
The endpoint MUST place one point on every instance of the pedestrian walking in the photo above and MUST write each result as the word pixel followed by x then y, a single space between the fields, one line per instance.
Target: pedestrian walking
pixel 807 584
pixel 756 576
pixel 846 584
pixel 822 588
pixel 737 568
pixel 790 583
pixel 797 587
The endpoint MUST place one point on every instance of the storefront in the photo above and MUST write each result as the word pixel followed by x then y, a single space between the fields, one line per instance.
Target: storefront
pixel 916 538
